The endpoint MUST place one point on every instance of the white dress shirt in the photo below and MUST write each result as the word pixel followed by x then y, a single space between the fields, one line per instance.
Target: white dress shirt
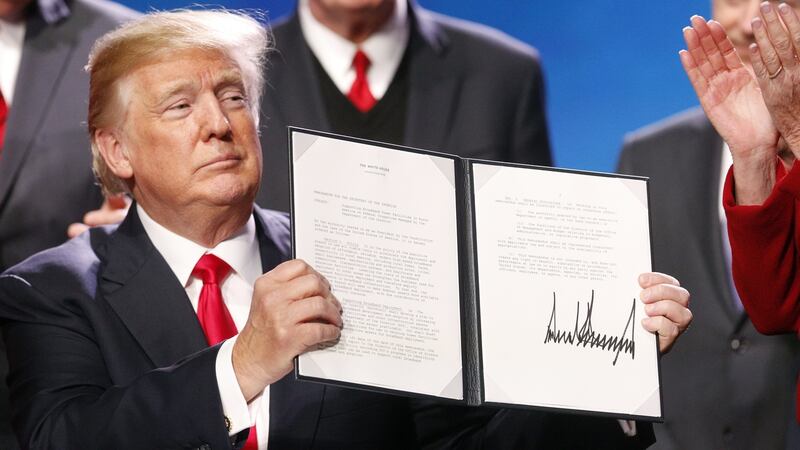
pixel 384 48
pixel 241 252
pixel 727 161
pixel 12 36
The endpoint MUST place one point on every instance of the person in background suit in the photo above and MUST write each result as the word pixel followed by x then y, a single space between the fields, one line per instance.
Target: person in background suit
pixel 46 181
pixel 723 363
pixel 163 332
pixel 427 81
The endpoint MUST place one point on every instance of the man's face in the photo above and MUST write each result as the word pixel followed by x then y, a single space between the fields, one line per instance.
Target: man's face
pixel 735 16
pixel 12 10
pixel 189 133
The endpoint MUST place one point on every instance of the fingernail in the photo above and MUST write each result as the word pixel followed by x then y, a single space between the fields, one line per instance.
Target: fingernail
pixel 753 48
pixel 766 8
pixel 756 23
pixel 649 309
pixel 644 296
pixel 784 8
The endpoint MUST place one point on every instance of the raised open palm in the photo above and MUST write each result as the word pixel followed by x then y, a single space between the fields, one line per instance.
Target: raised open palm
pixel 728 91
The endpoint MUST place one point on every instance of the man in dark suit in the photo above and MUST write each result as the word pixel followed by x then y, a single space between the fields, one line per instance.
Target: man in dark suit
pixel 163 332
pixel 438 83
pixel 46 181
pixel 723 364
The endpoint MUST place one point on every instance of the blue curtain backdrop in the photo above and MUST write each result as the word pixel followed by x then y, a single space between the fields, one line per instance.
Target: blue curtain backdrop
pixel 611 66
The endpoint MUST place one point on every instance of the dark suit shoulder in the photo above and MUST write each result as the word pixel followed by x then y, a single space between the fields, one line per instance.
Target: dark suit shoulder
pixel 684 138
pixel 70 267
pixel 282 26
pixel 106 14
pixel 478 39
pixel 688 123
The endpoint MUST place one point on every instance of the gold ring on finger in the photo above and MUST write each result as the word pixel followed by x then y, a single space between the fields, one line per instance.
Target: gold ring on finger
pixel 777 72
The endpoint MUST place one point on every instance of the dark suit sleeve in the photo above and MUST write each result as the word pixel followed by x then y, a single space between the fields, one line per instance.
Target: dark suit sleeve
pixel 63 396
pixel 466 428
pixel 531 141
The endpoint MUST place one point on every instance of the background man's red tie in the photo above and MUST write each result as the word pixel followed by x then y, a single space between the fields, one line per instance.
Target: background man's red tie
pixel 214 316
pixel 360 95
pixel 3 118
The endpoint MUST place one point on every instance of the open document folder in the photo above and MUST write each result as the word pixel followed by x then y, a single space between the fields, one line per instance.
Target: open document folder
pixel 477 281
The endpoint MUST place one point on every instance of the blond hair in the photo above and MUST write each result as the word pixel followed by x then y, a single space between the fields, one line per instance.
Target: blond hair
pixel 134 44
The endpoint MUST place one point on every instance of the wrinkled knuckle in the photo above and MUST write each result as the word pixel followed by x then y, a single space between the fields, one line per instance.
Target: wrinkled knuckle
pixel 728 51
pixel 772 60
pixel 318 306
pixel 783 46
pixel 316 334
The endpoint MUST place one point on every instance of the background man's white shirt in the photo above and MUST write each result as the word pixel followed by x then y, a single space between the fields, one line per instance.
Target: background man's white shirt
pixel 384 48
pixel 12 36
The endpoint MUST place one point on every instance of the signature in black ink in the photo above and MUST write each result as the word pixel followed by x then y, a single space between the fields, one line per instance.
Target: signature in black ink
pixel 585 336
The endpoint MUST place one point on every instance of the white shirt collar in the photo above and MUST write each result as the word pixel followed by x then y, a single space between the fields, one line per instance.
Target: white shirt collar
pixel 12 37
pixel 384 48
pixel 240 251
pixel 727 161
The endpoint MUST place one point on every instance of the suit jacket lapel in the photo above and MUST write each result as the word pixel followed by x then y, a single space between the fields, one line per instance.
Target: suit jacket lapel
pixel 44 55
pixel 143 291
pixel 432 96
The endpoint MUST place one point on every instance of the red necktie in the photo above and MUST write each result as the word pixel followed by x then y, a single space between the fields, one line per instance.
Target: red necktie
pixel 360 95
pixel 3 117
pixel 214 317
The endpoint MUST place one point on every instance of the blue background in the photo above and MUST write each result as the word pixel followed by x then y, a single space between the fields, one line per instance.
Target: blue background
pixel 611 66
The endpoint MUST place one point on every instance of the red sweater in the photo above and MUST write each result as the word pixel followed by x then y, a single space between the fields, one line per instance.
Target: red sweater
pixel 764 247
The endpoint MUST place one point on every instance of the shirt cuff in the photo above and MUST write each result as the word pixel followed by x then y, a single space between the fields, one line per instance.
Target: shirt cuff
pixel 628 427
pixel 239 414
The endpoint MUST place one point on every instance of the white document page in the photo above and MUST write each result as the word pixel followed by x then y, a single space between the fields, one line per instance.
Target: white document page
pixel 558 259
pixel 380 224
